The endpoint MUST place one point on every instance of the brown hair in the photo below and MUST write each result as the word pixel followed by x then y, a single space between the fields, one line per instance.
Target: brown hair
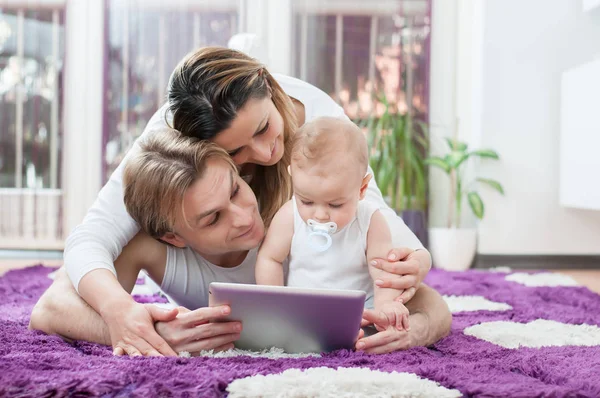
pixel 157 176
pixel 206 91
pixel 326 135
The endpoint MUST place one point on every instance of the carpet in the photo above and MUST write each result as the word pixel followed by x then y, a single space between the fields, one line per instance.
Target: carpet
pixel 513 334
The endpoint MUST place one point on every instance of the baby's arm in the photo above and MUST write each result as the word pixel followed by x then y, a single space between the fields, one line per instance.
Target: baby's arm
pixel 276 247
pixel 379 243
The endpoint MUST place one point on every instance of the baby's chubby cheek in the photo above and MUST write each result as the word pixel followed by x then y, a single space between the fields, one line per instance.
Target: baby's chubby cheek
pixel 342 219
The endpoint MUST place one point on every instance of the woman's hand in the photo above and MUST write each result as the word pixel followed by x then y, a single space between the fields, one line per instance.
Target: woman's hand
pixel 131 329
pixel 200 330
pixel 409 268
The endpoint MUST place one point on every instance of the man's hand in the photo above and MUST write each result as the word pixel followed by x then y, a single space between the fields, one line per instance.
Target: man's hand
pixel 391 313
pixel 200 330
pixel 131 329
pixel 410 267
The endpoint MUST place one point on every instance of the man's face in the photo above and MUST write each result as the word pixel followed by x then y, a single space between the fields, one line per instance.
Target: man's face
pixel 220 213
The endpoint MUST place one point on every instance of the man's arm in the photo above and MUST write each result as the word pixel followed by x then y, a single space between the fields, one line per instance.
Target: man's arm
pixel 60 310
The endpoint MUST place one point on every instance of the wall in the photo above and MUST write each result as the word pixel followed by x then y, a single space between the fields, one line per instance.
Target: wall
pixel 526 47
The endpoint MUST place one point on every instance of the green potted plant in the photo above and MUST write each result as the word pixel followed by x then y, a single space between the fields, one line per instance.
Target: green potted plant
pixel 453 247
pixel 399 146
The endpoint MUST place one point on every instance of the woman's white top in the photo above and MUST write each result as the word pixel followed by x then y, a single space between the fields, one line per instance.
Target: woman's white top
pixel 107 227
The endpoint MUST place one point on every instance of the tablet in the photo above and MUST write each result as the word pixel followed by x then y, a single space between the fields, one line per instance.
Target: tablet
pixel 295 319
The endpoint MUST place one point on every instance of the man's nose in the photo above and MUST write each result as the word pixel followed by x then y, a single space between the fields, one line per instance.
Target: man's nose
pixel 241 217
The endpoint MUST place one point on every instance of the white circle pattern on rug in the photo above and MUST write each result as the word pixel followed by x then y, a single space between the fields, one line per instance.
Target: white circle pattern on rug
pixel 541 279
pixel 340 382
pixel 473 303
pixel 272 353
pixel 535 334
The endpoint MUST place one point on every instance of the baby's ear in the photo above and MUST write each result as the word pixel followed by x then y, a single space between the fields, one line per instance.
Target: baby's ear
pixel 364 185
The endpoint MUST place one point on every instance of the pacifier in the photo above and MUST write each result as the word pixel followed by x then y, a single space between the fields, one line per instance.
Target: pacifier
pixel 319 239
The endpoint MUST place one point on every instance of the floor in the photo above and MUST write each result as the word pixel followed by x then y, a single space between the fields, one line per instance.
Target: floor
pixel 589 278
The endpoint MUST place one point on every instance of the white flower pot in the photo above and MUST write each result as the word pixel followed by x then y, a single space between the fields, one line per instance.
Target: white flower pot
pixel 453 249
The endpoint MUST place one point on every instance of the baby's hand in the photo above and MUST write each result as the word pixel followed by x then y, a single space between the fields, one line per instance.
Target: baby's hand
pixel 392 313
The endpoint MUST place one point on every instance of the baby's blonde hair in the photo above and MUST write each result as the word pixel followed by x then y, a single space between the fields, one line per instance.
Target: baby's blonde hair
pixel 329 136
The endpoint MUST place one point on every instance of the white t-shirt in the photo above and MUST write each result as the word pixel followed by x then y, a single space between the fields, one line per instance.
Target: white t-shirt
pixel 107 227
pixel 343 265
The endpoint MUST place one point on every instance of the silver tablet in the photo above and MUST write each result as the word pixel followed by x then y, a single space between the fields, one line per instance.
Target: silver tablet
pixel 294 319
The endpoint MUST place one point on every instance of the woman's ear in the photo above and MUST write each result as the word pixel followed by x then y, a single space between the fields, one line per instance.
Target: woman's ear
pixel 173 239
pixel 365 185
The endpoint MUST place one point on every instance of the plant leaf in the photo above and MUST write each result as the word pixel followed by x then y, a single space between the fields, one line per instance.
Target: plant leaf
pixel 438 162
pixel 455 159
pixel 456 145
pixel 421 140
pixel 476 204
pixel 486 153
pixel 424 129
pixel 492 183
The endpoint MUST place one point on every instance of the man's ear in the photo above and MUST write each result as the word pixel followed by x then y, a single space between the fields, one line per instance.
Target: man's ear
pixel 364 185
pixel 173 239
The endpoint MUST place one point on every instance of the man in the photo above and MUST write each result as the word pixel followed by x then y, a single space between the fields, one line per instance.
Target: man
pixel 200 224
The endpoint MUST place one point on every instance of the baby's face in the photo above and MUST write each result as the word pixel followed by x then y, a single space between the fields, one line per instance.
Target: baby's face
pixel 327 191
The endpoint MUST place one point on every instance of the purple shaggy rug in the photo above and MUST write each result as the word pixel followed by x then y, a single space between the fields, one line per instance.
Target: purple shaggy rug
pixel 495 350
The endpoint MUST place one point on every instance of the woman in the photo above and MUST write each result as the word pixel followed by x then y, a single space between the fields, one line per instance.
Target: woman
pixel 229 98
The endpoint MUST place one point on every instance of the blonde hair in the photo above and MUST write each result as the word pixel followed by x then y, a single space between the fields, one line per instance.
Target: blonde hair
pixel 157 176
pixel 325 136
pixel 206 91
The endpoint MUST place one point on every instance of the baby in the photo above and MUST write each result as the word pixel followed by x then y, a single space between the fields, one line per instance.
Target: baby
pixel 328 231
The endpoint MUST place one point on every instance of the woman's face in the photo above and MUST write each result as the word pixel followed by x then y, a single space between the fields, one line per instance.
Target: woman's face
pixel 256 134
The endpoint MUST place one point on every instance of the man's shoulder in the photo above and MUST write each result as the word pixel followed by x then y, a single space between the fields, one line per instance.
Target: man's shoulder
pixel 146 251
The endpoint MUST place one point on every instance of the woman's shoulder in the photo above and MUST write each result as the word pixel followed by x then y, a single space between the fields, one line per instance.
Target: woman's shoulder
pixel 292 85
pixel 316 102
pixel 161 119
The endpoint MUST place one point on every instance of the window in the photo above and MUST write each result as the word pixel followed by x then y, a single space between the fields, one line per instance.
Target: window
pixel 353 49
pixel 146 40
pixel 31 71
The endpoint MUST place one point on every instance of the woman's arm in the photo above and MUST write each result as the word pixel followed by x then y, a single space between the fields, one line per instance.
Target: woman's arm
pixel 402 236
pixel 106 229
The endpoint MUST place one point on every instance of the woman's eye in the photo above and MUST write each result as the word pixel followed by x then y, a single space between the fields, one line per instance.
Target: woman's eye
pixel 264 129
pixel 306 203
pixel 235 192
pixel 336 206
pixel 214 221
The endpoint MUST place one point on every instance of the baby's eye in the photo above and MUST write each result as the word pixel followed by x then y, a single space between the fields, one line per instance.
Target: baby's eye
pixel 335 206
pixel 306 202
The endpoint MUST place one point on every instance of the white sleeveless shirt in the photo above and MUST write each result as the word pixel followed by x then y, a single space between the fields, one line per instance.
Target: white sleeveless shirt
pixel 188 276
pixel 343 265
